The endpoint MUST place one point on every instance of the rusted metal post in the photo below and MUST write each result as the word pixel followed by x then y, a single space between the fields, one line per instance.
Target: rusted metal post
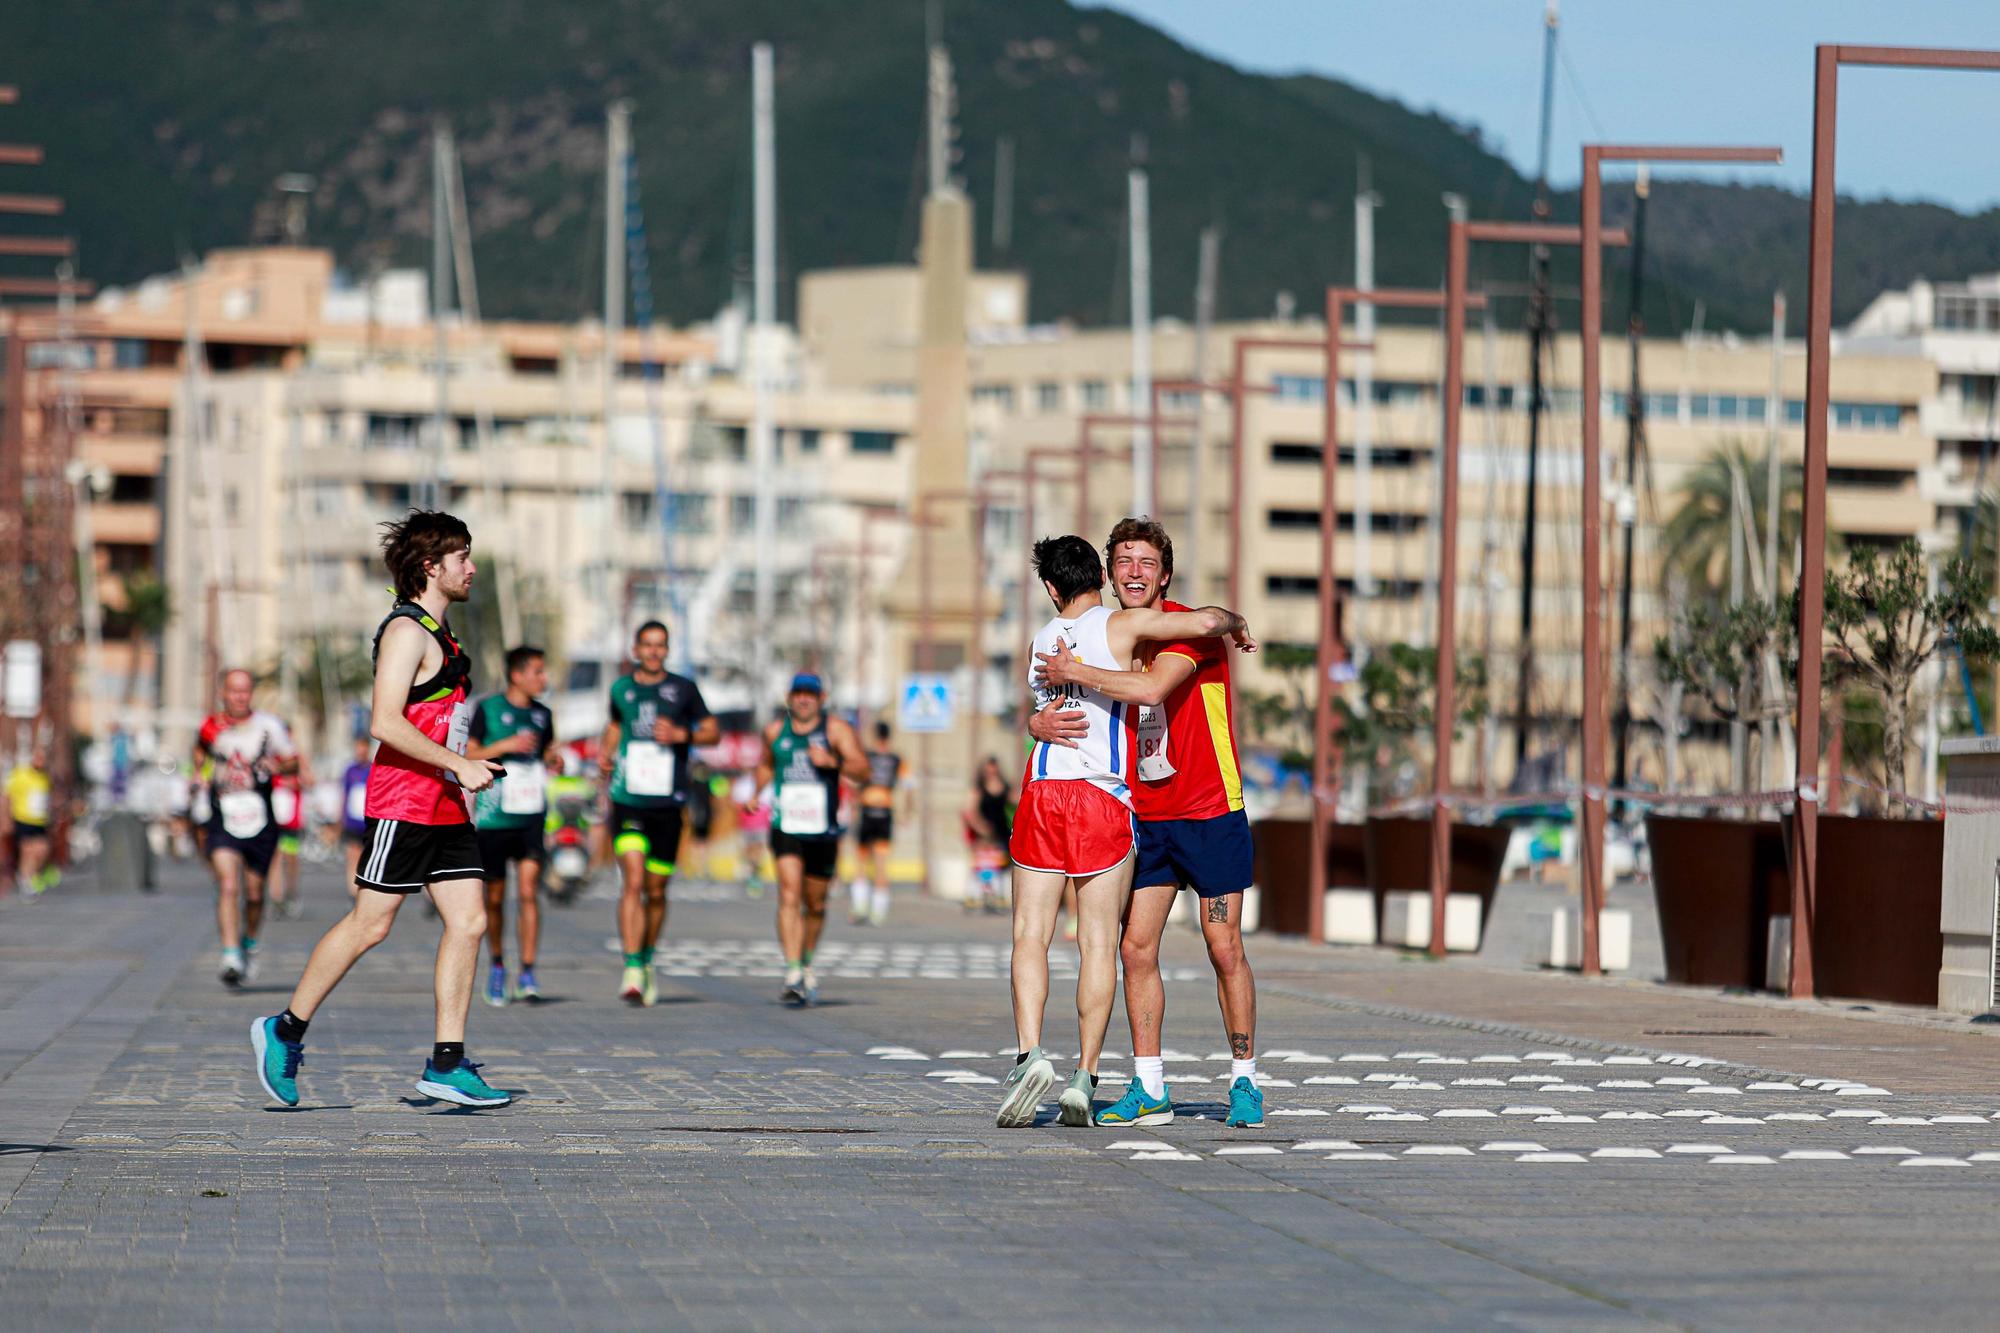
pixel 1325 803
pixel 1445 706
pixel 1591 854
pixel 924 630
pixel 1238 354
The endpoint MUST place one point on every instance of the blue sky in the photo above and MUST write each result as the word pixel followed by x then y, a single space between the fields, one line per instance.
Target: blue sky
pixel 1690 71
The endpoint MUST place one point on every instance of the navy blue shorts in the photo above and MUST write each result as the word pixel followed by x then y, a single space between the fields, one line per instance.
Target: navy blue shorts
pixel 1211 856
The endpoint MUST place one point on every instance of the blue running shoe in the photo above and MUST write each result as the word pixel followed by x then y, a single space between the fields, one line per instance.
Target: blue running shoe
pixel 460 1084
pixel 1246 1105
pixel 278 1060
pixel 496 985
pixel 525 986
pixel 1136 1108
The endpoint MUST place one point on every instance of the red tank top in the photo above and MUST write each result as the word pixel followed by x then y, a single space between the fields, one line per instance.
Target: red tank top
pixel 400 787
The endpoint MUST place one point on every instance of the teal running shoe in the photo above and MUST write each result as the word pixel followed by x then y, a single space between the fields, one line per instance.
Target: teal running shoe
pixel 460 1084
pixel 496 985
pixel 1073 1107
pixel 278 1061
pixel 1027 1083
pixel 1246 1105
pixel 1136 1108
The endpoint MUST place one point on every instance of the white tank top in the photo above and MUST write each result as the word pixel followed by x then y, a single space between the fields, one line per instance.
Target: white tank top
pixel 1104 755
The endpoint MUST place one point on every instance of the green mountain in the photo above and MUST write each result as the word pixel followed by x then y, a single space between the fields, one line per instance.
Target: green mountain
pixel 168 123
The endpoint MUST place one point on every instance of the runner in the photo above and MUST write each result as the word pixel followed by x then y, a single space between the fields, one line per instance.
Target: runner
pixel 656 718
pixel 1075 821
pixel 806 753
pixel 419 832
pixel 516 728
pixel 288 812
pixel 876 837
pixel 1193 832
pixel 28 803
pixel 989 826
pixel 240 751
pixel 354 808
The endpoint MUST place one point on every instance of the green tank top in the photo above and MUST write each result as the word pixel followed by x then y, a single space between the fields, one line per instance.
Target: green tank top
pixel 813 807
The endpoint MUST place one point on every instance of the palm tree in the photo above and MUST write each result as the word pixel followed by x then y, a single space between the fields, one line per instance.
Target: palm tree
pixel 1695 540
pixel 149 610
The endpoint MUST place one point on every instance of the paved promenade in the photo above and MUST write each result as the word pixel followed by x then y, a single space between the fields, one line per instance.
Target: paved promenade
pixel 1450 1145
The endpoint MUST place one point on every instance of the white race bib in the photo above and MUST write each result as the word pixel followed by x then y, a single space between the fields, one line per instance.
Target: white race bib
pixel 37 803
pixel 357 803
pixel 649 769
pixel 199 808
pixel 284 805
pixel 1154 766
pixel 524 789
pixel 802 809
pixel 244 813
pixel 457 733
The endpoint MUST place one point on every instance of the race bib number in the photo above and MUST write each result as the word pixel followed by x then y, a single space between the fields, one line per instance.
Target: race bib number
pixel 457 733
pixel 1154 766
pixel 37 803
pixel 802 809
pixel 357 803
pixel 524 789
pixel 649 769
pixel 284 805
pixel 244 813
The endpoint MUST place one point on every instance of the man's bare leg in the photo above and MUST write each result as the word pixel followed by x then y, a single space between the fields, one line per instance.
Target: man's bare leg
pixel 1139 950
pixel 528 910
pixel 365 926
pixel 461 905
pixel 228 867
pixel 1037 898
pixel 1235 987
pixel 812 911
pixel 253 904
pixel 632 900
pixel 656 910
pixel 496 918
pixel 791 910
pixel 1100 901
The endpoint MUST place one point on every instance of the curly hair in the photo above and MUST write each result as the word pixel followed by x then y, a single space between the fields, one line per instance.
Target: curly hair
pixel 1146 530
pixel 423 537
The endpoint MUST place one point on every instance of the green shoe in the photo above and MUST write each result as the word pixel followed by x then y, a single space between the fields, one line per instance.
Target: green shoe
pixel 1136 1108
pixel 1246 1105
pixel 460 1084
pixel 278 1061
pixel 1074 1104
pixel 1027 1083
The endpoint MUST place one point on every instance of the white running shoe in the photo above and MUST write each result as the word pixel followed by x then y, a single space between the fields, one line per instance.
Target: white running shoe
pixel 233 967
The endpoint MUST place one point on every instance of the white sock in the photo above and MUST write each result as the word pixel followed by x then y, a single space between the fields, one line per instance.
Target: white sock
pixel 1244 1069
pixel 1151 1071
pixel 858 893
pixel 881 902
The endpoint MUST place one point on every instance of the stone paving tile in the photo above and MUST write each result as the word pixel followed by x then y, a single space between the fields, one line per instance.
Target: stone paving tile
pixel 722 1161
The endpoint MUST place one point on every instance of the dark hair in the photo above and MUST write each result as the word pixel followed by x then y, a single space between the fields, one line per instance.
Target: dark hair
pixel 640 632
pixel 424 537
pixel 1070 564
pixel 1146 530
pixel 881 731
pixel 518 658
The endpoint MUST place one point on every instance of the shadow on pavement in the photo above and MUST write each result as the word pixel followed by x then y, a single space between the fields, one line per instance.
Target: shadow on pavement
pixel 21 1149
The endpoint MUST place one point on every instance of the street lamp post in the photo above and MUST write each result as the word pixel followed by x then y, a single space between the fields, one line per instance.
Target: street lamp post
pixel 1591 854
pixel 1812 536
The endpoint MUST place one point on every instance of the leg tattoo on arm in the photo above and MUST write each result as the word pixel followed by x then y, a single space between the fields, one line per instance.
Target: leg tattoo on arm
pixel 1239 1045
pixel 1218 909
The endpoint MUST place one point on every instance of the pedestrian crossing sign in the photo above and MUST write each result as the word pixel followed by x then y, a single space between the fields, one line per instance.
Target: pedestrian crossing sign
pixel 927 703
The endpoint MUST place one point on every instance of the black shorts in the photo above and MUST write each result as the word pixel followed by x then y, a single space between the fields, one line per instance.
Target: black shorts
pixel 401 857
pixel 821 855
pixel 257 851
pixel 26 832
pixel 878 824
pixel 652 829
pixel 498 846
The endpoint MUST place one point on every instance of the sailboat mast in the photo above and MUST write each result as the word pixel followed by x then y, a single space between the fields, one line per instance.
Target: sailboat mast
pixel 1635 426
pixel 1538 332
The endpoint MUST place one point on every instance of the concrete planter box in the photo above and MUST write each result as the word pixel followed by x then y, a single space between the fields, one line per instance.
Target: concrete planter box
pixel 1399 856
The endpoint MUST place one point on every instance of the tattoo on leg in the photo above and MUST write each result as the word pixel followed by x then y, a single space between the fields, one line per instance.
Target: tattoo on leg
pixel 1218 910
pixel 1239 1045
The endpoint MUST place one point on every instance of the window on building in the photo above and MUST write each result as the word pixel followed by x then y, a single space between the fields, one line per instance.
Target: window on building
pixel 636 508
pixel 1384 521
pixel 1379 456
pixel 1286 452
pixel 808 440
pixel 129 354
pixel 871 442
pixel 387 494
pixel 1291 585
pixel 1183 401
pixel 1867 416
pixel 999 395
pixel 1299 388
pixel 688 512
pixel 129 488
pixel 1096 395
pixel 742 513
pixel 1868 478
pixel 735 442
pixel 1292 520
pixel 1048 396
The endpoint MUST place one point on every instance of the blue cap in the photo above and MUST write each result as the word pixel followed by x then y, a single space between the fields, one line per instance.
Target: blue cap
pixel 809 682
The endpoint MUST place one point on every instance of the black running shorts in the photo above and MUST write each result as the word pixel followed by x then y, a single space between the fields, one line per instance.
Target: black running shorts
pixel 821 855
pixel 498 846
pixel 401 857
pixel 878 824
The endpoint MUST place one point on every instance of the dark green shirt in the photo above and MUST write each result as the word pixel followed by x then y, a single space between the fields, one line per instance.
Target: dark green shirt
pixel 635 707
pixel 493 721
pixel 792 767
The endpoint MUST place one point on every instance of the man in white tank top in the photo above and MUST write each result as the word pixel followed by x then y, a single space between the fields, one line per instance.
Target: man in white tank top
pixel 1075 822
